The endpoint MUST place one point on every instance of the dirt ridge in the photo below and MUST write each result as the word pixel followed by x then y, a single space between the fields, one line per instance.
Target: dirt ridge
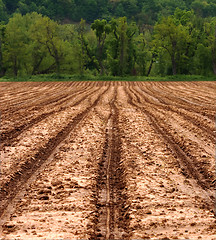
pixel 9 189
pixel 170 108
pixel 188 166
pixel 7 138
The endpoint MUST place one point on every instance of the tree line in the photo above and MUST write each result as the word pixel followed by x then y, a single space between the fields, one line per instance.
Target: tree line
pixel 181 43
pixel 148 11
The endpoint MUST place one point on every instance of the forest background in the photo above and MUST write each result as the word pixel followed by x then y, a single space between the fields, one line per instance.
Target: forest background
pixel 108 37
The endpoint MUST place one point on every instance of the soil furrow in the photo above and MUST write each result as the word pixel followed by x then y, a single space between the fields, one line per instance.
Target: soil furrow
pixel 111 221
pixel 107 160
pixel 7 138
pixel 197 122
pixel 9 190
pixel 168 98
pixel 39 105
pixel 45 100
pixel 188 165
pixel 27 98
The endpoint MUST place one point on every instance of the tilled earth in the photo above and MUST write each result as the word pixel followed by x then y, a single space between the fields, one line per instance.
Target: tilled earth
pixel 108 160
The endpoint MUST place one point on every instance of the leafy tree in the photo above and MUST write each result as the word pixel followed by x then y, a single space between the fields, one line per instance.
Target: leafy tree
pixel 141 54
pixel 202 60
pixel 3 12
pixel 38 51
pixel 121 51
pixel 173 37
pixel 90 9
pixel 204 8
pixel 101 28
pixel 168 7
pixel 149 12
pixel 145 56
pixel 16 39
pixel 23 8
pixel 210 29
pixel 119 11
pixel 2 33
pixel 182 42
pixel 11 5
pixel 193 27
pixel 81 30
pixel 46 34
pixel 34 44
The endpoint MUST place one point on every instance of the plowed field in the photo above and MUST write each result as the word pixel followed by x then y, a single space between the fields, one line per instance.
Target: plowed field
pixel 108 160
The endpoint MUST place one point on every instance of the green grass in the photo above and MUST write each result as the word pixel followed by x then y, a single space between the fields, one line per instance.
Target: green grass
pixel 63 77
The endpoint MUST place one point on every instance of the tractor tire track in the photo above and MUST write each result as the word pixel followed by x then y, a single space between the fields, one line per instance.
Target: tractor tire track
pixel 42 101
pixel 181 103
pixel 38 105
pixel 8 138
pixel 172 101
pixel 188 164
pixel 111 219
pixel 9 189
pixel 195 121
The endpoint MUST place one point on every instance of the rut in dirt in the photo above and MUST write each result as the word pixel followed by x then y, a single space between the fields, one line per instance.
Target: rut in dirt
pixel 8 138
pixel 9 190
pixel 162 104
pixel 111 217
pixel 188 165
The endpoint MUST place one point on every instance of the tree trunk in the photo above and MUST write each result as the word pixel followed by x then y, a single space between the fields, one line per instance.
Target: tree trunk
pixel 101 66
pixel 1 60
pixel 174 65
pixel 214 59
pixel 52 67
pixel 150 67
pixel 100 55
pixel 15 68
pixel 82 61
pixel 37 65
pixel 89 54
pixel 121 63
pixel 214 67
pixel 58 65
pixel 2 70
pixel 214 54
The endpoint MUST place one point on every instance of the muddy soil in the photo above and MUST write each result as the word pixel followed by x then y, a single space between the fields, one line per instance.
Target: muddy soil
pixel 108 160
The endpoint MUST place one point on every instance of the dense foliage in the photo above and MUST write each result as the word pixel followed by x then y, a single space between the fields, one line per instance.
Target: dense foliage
pixel 142 11
pixel 157 37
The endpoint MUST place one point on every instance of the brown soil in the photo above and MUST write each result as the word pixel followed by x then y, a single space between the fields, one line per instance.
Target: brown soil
pixel 108 160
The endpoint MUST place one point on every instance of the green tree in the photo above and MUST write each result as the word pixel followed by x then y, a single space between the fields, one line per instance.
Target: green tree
pixel 210 29
pixel 204 8
pixel 86 54
pixel 172 36
pixel 35 44
pixel 101 28
pixel 11 5
pixel 45 33
pixel 121 50
pixel 23 8
pixel 168 7
pixel 38 51
pixel 16 47
pixel 202 60
pixel 3 12
pixel 2 33
pixel 145 56
pixel 149 12
pixel 83 56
